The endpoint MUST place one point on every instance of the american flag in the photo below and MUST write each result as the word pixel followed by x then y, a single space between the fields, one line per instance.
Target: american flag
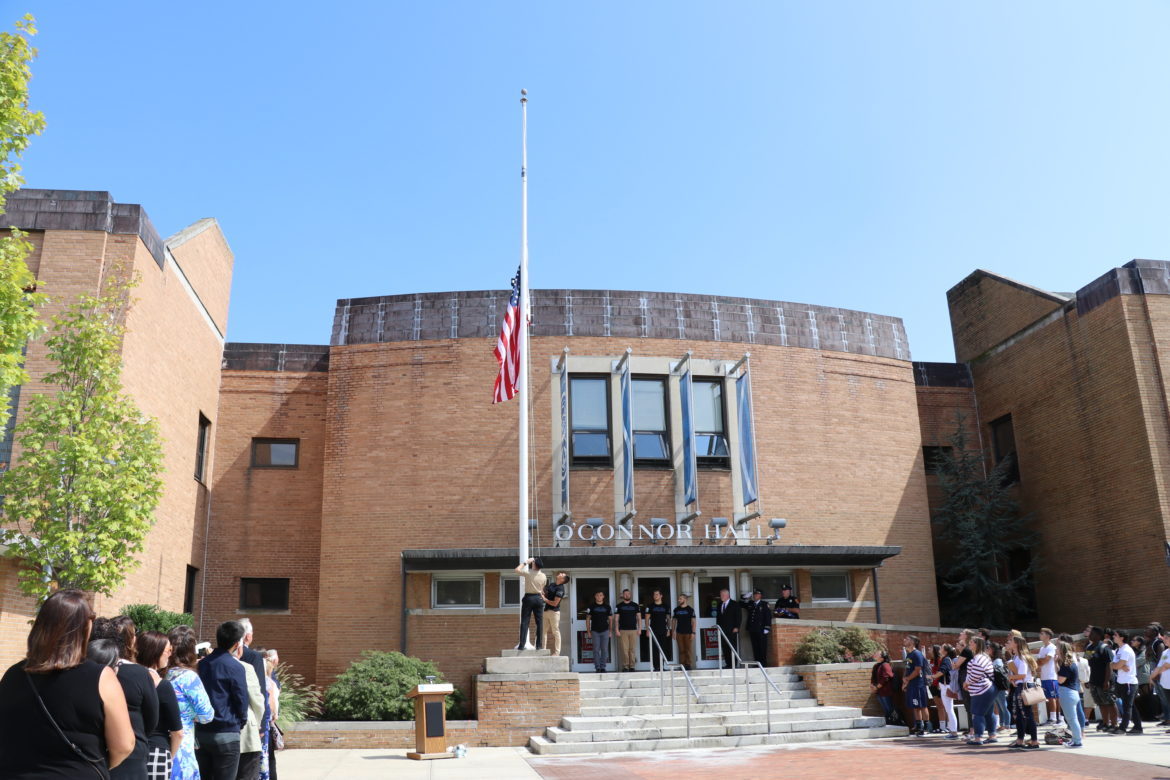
pixel 507 349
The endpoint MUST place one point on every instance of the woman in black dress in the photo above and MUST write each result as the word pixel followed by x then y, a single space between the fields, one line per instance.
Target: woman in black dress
pixel 138 688
pixel 154 652
pixel 83 703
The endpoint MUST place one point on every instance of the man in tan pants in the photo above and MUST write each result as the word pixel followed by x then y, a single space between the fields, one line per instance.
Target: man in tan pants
pixel 629 628
pixel 553 593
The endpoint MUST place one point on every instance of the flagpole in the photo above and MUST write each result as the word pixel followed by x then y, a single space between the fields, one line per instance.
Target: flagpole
pixel 523 325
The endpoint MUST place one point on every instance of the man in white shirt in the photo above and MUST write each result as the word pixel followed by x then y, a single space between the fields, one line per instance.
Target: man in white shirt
pixel 1125 662
pixel 1161 673
pixel 1046 660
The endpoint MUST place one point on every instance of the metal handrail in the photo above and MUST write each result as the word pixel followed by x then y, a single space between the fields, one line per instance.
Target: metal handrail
pixel 767 694
pixel 670 666
pixel 735 656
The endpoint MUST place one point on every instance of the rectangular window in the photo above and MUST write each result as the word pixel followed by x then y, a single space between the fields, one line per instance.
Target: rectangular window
pixel 263 593
pixel 189 590
pixel 651 432
pixel 275 453
pixel 830 587
pixel 933 456
pixel 456 592
pixel 710 433
pixel 8 433
pixel 589 420
pixel 771 584
pixel 1003 442
pixel 509 591
pixel 201 447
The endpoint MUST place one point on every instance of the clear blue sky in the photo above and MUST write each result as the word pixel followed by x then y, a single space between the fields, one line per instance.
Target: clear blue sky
pixel 863 155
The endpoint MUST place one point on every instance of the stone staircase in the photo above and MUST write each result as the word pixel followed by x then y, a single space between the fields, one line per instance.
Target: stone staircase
pixel 621 712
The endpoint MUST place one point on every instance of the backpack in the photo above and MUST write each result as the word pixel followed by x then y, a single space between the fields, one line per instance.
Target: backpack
pixel 1000 679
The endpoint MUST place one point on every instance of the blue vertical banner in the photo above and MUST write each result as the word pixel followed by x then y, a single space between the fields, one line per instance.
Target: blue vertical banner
pixel 747 438
pixel 690 465
pixel 628 433
pixel 565 439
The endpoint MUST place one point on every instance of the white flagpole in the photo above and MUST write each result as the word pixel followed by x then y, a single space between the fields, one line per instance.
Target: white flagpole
pixel 523 326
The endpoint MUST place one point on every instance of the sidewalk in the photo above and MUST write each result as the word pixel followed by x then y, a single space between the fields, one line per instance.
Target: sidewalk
pixel 1119 758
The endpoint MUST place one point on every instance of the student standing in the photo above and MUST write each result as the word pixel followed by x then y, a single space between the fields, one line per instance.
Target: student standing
pixel 600 617
pixel 629 626
pixel 1067 676
pixel 658 622
pixel 881 682
pixel 553 593
pixel 1125 663
pixel 914 685
pixel 1046 662
pixel 683 627
pixel 982 689
pixel 1022 671
pixel 1100 656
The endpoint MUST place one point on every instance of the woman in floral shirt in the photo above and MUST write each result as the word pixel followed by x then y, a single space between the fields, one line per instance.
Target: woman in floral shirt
pixel 194 706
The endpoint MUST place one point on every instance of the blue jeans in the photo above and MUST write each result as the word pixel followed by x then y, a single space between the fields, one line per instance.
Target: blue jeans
pixel 887 703
pixel 1127 701
pixel 1001 707
pixel 600 650
pixel 1163 699
pixel 981 712
pixel 1070 702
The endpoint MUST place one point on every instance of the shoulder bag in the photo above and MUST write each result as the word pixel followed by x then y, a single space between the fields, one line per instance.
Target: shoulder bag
pixel 97 765
pixel 1031 695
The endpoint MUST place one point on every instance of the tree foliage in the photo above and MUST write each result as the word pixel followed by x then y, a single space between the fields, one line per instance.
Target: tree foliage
pixel 374 687
pixel 986 574
pixel 836 646
pixel 18 296
pixel 79 502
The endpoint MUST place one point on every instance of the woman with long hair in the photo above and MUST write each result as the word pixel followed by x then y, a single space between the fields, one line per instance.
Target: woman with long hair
pixel 944 672
pixel 138 686
pixel 57 691
pixel 1067 676
pixel 1002 711
pixel 1021 672
pixel 980 685
pixel 881 682
pixel 154 653
pixel 194 705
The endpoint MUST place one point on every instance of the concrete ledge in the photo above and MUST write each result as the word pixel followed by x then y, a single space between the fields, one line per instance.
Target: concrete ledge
pixel 527 664
pixel 514 653
pixel 530 677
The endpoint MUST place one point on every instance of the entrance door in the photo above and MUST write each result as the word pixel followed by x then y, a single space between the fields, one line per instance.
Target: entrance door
pixel 706 600
pixel 644 587
pixel 582 592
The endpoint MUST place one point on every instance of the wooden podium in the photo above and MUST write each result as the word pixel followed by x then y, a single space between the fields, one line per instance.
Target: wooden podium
pixel 430 721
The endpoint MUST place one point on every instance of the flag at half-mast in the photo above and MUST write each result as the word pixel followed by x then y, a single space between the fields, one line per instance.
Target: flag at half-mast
pixel 507 349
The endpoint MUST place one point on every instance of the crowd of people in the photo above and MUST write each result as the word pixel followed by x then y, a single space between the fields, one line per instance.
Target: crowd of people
pixel 95 697
pixel 1062 681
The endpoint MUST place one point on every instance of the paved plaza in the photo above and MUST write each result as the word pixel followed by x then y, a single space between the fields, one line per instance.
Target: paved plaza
pixel 1119 757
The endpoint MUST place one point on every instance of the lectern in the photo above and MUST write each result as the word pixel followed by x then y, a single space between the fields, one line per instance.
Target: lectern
pixel 430 721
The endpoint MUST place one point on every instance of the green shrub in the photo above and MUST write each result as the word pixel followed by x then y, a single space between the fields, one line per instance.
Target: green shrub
pixel 298 700
pixel 835 646
pixel 149 617
pixel 374 687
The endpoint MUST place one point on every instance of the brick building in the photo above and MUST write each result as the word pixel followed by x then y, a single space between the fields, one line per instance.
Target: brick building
pixel 171 356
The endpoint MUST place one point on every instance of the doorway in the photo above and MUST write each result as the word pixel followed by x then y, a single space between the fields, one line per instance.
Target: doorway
pixel 707 586
pixel 582 592
pixel 644 587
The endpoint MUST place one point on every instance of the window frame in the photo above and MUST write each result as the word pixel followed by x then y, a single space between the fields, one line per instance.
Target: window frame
pixel 202 445
pixel 505 578
pixel 994 427
pixel 788 574
pixel 848 599
pixel 275 440
pixel 592 461
pixel 437 578
pixel 243 606
pixel 930 455
pixel 714 462
pixel 654 463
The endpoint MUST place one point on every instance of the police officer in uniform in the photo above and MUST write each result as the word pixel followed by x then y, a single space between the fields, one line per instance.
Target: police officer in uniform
pixel 629 626
pixel 759 625
pixel 786 605
pixel 658 621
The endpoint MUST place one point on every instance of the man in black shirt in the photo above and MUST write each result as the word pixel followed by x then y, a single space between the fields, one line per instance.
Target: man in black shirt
pixel 683 628
pixel 600 616
pixel 786 605
pixel 759 625
pixel 629 625
pixel 727 618
pixel 658 621
pixel 1154 648
pixel 553 593
pixel 1100 655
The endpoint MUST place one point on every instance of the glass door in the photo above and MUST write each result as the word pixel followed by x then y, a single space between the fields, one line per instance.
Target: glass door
pixel 644 587
pixel 706 601
pixel 582 591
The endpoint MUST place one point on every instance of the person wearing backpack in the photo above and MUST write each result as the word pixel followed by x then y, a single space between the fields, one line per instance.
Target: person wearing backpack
pixel 1002 686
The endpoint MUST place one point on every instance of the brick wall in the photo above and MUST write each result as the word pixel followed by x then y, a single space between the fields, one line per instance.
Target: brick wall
pixel 986 309
pixel 841 685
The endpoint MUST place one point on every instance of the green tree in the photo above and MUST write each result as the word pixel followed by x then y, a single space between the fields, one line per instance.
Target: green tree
pixel 79 502
pixel 374 687
pixel 151 617
pixel 18 296
pixel 986 572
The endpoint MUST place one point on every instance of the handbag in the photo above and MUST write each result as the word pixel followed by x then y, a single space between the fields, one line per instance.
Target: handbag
pixel 950 693
pixel 277 737
pixel 1031 695
pixel 98 765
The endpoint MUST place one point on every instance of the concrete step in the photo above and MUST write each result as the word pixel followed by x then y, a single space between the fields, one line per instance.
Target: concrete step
pixel 705 697
pixel 527 664
pixel 705 684
pixel 775 672
pixel 676 730
pixel 647 679
pixel 680 706
pixel 586 723
pixel 545 746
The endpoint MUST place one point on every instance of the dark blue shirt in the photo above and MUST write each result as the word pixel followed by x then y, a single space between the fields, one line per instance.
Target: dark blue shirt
pixel 227 687
pixel 599 616
pixel 916 660
pixel 686 619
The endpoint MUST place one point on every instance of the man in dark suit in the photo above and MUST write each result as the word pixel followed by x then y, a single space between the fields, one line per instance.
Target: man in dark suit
pixel 727 618
pixel 759 626
pixel 249 768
